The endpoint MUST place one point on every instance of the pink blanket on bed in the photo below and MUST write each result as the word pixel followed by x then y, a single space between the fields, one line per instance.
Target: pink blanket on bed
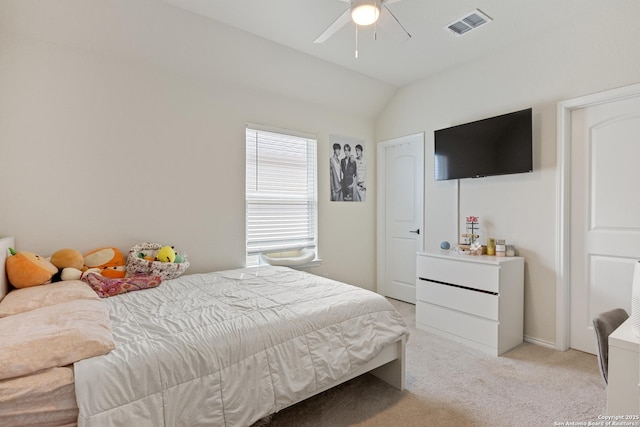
pixel 43 330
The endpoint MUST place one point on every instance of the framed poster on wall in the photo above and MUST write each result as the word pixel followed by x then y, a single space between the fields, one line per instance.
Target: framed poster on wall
pixel 347 169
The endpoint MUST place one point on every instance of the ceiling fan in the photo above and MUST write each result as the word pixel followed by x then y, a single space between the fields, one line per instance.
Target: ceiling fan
pixel 365 13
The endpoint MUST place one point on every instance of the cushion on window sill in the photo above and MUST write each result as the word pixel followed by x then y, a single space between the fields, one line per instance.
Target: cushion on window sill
pixel 289 258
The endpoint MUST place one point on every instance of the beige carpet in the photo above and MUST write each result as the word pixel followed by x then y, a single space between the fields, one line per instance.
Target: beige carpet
pixel 449 384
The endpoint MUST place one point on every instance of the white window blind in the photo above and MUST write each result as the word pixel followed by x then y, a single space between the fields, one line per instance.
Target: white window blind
pixel 281 190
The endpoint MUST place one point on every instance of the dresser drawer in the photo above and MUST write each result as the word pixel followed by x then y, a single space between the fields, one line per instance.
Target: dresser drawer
pixel 475 275
pixel 452 322
pixel 473 302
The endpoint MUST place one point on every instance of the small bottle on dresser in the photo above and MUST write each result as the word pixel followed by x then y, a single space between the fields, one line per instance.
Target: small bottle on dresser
pixel 491 246
pixel 501 247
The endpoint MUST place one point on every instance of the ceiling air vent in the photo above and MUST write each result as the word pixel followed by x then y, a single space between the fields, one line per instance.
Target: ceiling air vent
pixel 469 22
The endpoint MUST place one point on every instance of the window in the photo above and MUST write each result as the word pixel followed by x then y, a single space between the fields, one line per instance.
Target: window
pixel 281 191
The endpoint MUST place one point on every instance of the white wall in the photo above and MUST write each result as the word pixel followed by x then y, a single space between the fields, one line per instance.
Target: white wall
pixel 123 122
pixel 592 54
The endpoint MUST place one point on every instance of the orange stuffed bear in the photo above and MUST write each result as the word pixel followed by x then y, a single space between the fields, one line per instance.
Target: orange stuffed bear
pixel 109 260
pixel 25 269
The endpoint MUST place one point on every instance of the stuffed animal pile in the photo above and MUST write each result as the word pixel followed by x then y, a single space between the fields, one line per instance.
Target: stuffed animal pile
pixel 26 269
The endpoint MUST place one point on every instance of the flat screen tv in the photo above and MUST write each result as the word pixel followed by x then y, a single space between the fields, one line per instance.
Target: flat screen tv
pixel 495 146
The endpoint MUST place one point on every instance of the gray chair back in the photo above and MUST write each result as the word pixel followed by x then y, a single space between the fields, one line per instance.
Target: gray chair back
pixel 604 324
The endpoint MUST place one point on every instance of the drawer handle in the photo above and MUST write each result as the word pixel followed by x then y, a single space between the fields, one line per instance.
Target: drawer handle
pixel 417 231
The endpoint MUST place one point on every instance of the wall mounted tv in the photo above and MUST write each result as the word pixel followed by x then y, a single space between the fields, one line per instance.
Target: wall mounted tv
pixel 495 146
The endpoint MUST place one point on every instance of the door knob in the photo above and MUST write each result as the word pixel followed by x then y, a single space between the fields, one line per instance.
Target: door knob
pixel 415 231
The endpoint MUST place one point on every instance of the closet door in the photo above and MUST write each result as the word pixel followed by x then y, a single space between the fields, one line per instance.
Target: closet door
pixel 605 206
pixel 400 215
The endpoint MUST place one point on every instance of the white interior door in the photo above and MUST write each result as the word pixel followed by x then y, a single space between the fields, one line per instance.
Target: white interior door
pixel 400 213
pixel 605 212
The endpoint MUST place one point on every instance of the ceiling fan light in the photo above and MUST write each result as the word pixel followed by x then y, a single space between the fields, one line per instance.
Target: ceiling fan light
pixel 365 13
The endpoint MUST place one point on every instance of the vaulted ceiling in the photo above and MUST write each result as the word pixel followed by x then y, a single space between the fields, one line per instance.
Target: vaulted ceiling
pixel 431 49
pixel 254 44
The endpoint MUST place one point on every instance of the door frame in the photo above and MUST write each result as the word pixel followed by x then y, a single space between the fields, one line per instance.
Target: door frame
pixel 563 203
pixel 381 243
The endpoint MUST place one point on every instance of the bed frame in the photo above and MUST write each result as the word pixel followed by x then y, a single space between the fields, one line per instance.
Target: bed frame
pixel 389 365
pixel 5 244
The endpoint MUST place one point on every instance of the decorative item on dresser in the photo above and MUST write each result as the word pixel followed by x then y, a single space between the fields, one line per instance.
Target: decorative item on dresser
pixel 476 300
pixel 491 246
pixel 471 233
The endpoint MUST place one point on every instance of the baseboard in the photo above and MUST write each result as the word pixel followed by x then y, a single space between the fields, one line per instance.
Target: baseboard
pixel 537 341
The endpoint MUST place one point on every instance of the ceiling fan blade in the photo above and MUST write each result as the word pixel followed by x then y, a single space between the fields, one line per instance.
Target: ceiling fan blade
pixel 342 20
pixel 390 24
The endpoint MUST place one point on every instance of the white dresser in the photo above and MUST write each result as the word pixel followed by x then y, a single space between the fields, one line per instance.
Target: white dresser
pixel 474 299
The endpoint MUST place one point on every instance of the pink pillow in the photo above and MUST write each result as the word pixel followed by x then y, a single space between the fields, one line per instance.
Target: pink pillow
pixel 33 297
pixel 108 287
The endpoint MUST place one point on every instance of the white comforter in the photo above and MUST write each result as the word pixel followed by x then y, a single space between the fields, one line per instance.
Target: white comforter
pixel 228 348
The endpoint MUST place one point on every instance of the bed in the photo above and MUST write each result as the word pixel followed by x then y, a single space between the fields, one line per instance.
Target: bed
pixel 224 348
